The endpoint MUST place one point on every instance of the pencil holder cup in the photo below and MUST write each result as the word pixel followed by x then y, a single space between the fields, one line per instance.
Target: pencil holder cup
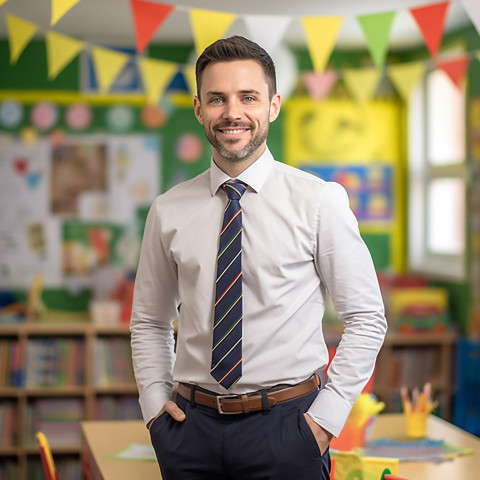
pixel 416 424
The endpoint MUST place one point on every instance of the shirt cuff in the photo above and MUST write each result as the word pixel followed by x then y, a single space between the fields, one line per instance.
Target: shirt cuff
pixel 330 411
pixel 152 403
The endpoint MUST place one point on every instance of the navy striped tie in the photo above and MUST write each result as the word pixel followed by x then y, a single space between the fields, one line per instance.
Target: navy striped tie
pixel 227 328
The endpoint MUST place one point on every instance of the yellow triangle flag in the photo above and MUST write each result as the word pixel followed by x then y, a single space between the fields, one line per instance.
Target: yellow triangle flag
pixel 2 2
pixel 321 33
pixel 61 50
pixel 156 75
pixel 208 26
pixel 60 8
pixel 406 76
pixel 362 83
pixel 190 79
pixel 108 64
pixel 20 32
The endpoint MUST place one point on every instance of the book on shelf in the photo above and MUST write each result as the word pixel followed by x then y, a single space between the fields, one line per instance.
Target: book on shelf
pixel 11 368
pixel 58 418
pixel 55 362
pixel 112 362
pixel 8 424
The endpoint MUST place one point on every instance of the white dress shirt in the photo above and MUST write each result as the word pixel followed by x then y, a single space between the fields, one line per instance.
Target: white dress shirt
pixel 300 240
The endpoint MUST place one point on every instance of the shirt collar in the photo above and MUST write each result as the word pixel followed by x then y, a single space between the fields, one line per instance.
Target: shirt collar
pixel 254 176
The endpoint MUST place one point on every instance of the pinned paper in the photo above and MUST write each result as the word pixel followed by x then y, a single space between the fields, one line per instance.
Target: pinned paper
pixel 208 26
pixel 376 28
pixel 472 7
pixel 431 22
pixel 456 69
pixel 267 30
pixel 108 64
pixel 362 83
pixel 320 84
pixel 148 17
pixel 156 74
pixel 61 50
pixel 20 32
pixel 406 76
pixel 60 8
pixel 321 34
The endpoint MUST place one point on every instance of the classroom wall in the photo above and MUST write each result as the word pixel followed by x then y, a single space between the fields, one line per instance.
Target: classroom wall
pixel 386 240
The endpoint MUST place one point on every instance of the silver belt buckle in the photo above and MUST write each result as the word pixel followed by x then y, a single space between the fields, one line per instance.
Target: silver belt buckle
pixel 219 404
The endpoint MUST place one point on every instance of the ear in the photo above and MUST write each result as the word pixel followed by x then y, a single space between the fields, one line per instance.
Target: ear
pixel 275 107
pixel 197 107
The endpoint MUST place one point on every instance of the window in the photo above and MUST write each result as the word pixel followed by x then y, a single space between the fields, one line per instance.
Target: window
pixel 437 178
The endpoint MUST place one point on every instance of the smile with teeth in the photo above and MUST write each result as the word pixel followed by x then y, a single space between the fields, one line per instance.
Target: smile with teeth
pixel 232 131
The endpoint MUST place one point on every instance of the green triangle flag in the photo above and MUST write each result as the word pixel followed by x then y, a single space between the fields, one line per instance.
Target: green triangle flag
pixel 376 28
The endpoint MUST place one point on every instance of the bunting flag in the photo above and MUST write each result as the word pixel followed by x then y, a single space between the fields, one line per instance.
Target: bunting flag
pixel 376 28
pixel 208 27
pixel 431 22
pixel 455 68
pixel 108 64
pixel 321 33
pixel 2 2
pixel 61 50
pixel 190 79
pixel 363 83
pixel 60 8
pixel 472 7
pixel 267 30
pixel 320 84
pixel 20 32
pixel 406 76
pixel 156 75
pixel 147 19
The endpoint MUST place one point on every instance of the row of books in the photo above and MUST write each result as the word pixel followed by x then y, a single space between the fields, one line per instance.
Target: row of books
pixel 113 362
pixel 58 418
pixel 413 367
pixel 55 362
pixel 8 424
pixel 8 469
pixel 68 468
pixel 110 407
pixel 11 370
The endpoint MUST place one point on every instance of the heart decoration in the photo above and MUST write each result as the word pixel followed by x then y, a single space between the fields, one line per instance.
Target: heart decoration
pixel 21 165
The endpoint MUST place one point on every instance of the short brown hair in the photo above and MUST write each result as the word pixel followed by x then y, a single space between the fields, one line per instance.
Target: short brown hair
pixel 237 48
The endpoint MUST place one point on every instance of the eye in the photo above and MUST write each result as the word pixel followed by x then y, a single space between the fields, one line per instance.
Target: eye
pixel 215 100
pixel 249 98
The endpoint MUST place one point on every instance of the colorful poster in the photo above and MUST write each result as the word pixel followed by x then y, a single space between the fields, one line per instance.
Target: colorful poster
pixel 369 188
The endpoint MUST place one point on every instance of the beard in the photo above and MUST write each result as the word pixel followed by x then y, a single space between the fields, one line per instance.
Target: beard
pixel 227 149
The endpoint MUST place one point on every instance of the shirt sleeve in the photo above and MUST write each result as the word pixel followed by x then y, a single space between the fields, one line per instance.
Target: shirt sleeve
pixel 345 267
pixel 154 311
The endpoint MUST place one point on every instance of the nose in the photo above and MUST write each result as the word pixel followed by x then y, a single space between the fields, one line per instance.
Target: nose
pixel 232 110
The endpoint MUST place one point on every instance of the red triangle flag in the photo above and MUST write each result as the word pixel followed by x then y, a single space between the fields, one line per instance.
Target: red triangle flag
pixel 456 69
pixel 148 16
pixel 431 22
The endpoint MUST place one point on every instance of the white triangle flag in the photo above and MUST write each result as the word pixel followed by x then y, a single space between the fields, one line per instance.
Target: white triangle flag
pixel 267 30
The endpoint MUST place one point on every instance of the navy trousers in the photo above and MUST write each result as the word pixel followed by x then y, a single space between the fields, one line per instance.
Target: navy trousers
pixel 276 444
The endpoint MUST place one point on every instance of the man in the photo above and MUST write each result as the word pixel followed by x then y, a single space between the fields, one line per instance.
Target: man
pixel 248 406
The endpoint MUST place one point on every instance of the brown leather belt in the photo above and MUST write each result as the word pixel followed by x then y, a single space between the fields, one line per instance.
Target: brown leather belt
pixel 248 402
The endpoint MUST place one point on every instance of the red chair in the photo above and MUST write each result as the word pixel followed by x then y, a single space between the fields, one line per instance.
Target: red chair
pixel 48 464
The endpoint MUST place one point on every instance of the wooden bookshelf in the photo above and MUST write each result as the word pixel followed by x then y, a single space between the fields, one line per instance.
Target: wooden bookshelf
pixel 52 375
pixel 412 360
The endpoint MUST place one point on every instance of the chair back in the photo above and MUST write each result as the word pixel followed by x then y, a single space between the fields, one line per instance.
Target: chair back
pixel 48 464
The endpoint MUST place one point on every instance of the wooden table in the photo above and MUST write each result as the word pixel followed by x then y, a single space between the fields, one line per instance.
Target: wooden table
pixel 102 439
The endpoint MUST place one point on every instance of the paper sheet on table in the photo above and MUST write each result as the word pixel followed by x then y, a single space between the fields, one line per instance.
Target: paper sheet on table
pixel 137 451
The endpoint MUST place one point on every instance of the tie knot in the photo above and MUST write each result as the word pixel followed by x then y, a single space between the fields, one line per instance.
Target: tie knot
pixel 234 190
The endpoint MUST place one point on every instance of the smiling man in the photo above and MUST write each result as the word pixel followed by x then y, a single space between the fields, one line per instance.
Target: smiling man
pixel 249 249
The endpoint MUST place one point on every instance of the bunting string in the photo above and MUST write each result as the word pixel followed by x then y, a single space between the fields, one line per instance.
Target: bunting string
pixel 207 26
